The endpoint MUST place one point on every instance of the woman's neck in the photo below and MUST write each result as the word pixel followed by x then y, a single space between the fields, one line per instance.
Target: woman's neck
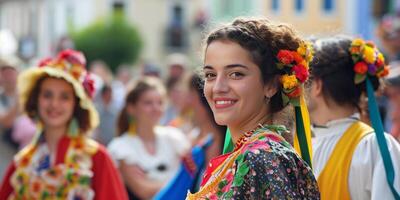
pixel 248 125
pixel 326 113
pixel 53 136
pixel 146 132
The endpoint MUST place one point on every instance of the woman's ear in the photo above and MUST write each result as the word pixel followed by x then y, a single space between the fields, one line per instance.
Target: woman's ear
pixel 271 88
pixel 316 87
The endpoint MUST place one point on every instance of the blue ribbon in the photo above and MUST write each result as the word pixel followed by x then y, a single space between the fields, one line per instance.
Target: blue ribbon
pixel 383 148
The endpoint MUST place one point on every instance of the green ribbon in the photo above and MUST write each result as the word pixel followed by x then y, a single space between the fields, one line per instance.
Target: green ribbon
pixel 228 144
pixel 301 136
pixel 383 148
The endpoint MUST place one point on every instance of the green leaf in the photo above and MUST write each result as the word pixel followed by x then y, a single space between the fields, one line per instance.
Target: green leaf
pixel 359 78
pixel 285 99
pixel 222 184
pixel 238 181
pixel 229 194
pixel 243 169
pixel 240 158
pixel 280 65
pixel 355 58
pixel 295 102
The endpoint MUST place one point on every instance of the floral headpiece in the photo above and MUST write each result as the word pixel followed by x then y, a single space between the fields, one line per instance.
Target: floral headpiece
pixel 368 60
pixel 295 67
pixel 72 62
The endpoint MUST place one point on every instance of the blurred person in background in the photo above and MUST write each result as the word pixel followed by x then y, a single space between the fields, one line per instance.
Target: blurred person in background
pixel 176 64
pixel 392 91
pixel 119 85
pixel 108 112
pixel 148 155
pixel 61 162
pixel 101 74
pixel 203 120
pixel 8 98
pixel 149 69
pixel 388 31
pixel 177 113
pixel 8 111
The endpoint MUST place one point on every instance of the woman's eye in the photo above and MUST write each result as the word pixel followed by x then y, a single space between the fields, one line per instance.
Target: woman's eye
pixel 209 75
pixel 236 75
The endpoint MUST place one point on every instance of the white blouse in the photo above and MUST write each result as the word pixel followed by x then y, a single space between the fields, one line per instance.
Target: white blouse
pixel 171 144
pixel 367 177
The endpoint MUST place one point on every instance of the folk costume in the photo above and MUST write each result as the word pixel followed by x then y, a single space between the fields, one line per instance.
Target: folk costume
pixel 353 160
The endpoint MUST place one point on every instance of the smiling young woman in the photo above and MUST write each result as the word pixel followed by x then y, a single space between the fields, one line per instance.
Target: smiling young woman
pixel 61 162
pixel 148 155
pixel 244 88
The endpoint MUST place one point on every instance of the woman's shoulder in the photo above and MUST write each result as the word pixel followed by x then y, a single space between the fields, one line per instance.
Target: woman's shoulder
pixel 169 132
pixel 270 163
pixel 123 140
pixel 267 148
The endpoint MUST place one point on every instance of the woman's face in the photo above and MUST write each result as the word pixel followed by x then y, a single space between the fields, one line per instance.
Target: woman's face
pixel 149 107
pixel 56 102
pixel 233 84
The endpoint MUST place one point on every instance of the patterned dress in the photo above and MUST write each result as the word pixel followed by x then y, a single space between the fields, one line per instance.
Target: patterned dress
pixel 263 167
pixel 80 169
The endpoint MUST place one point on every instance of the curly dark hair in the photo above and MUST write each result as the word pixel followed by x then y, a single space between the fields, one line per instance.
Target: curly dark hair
pixel 333 65
pixel 31 107
pixel 263 40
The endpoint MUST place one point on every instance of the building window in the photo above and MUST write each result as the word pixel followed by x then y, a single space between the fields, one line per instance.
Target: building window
pixel 275 5
pixel 299 5
pixel 328 5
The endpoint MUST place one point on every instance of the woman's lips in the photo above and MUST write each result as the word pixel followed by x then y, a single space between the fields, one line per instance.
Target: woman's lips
pixel 221 103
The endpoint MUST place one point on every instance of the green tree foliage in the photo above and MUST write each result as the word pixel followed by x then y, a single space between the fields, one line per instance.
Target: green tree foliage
pixel 113 40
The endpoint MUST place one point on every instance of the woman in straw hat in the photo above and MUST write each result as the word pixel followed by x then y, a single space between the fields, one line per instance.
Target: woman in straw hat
pixel 61 162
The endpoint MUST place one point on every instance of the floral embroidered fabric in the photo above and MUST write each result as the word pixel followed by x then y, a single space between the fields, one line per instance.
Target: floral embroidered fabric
pixel 265 167
pixel 37 178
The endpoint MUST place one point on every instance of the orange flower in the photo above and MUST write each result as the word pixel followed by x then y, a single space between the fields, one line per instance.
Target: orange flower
pixel 297 57
pixel 355 50
pixel 383 72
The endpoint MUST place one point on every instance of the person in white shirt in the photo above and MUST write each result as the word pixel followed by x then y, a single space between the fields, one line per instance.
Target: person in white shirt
pixel 148 155
pixel 340 72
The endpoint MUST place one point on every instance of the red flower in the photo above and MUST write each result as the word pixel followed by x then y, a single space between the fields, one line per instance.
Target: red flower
pixel 295 93
pixel 285 56
pixel 361 67
pixel 379 62
pixel 45 62
pixel 72 56
pixel 301 72
pixel 88 84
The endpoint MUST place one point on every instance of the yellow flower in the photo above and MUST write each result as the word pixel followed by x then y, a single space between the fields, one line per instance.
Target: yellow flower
pixel 369 55
pixel 381 57
pixel 305 49
pixel 357 42
pixel 302 50
pixel 305 64
pixel 289 81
